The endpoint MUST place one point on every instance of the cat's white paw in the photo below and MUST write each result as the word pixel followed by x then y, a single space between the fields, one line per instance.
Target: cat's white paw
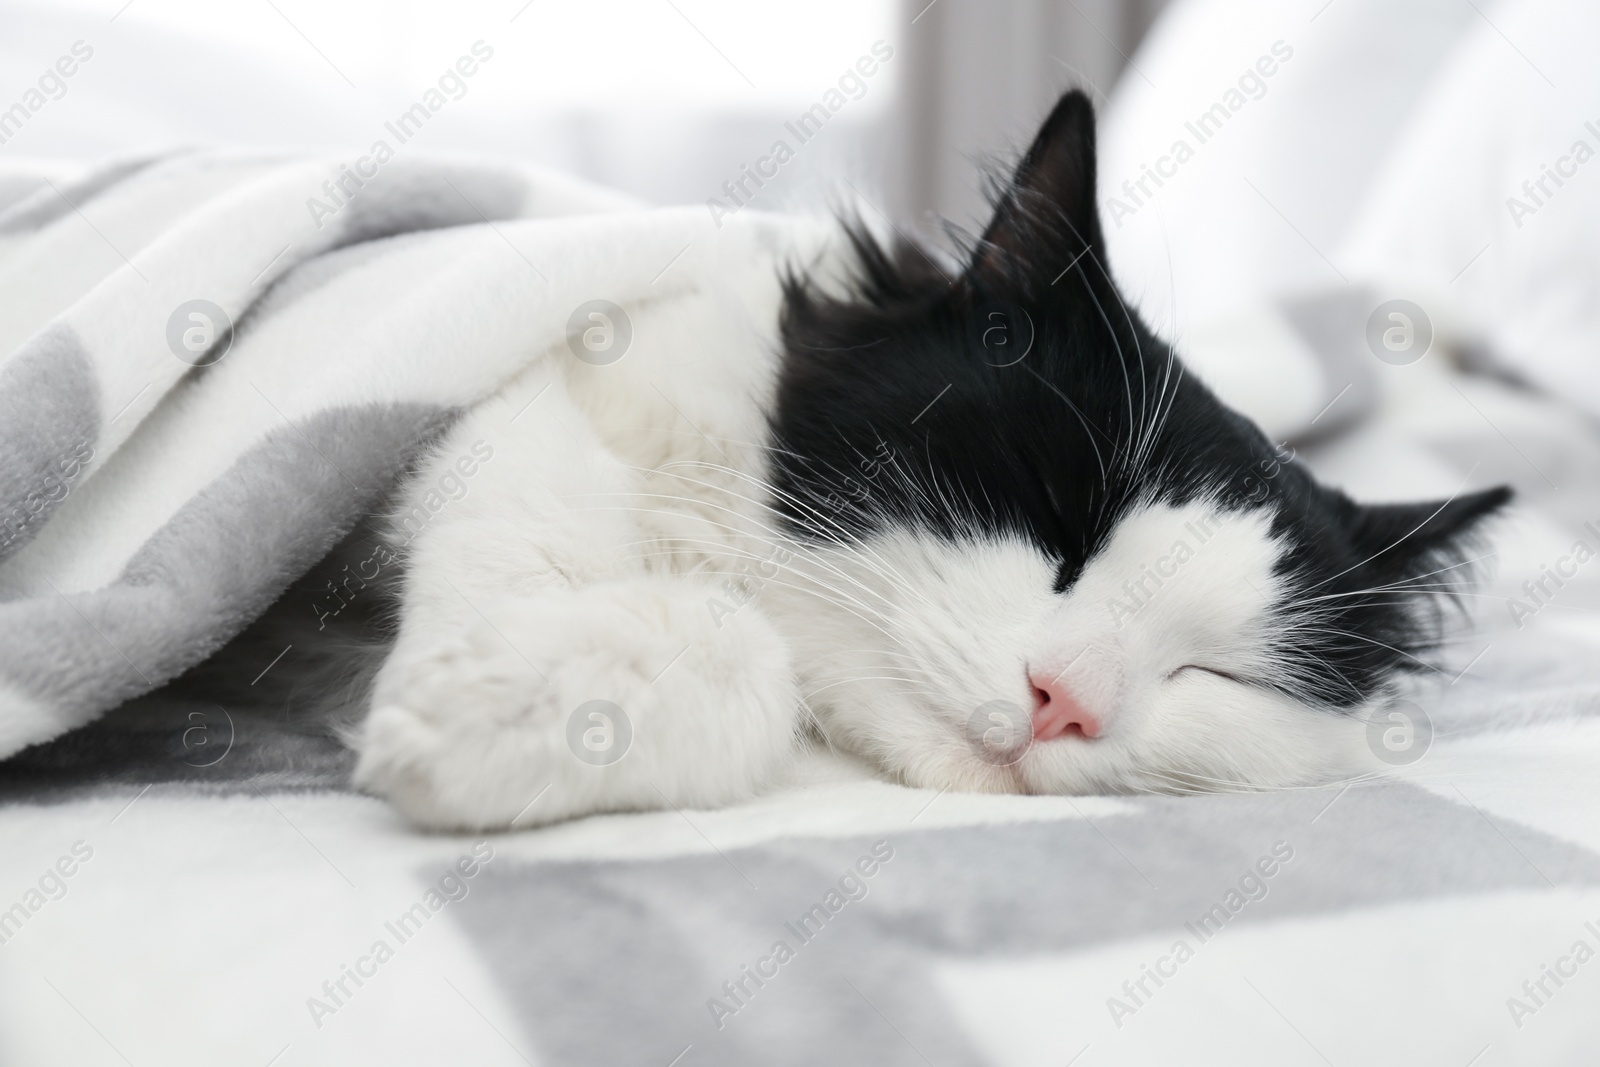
pixel 618 696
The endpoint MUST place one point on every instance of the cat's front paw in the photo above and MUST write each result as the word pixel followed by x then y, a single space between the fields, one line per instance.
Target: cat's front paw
pixel 620 696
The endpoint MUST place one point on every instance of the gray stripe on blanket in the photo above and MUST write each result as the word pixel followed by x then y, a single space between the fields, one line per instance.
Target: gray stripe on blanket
pixel 1333 325
pixel 49 423
pixel 615 962
pixel 185 747
pixel 214 567
pixel 311 277
pixel 413 197
pixel 15 188
pixel 55 200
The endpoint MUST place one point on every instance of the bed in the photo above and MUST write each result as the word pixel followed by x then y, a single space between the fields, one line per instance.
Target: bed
pixel 187 882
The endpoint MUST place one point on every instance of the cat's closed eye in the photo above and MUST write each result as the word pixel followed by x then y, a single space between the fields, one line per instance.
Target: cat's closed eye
pixel 1215 672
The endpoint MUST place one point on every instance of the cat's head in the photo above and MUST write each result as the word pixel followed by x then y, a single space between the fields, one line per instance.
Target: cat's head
pixel 1039 556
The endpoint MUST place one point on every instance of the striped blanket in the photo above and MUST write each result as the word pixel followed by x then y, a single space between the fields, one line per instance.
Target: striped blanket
pixel 205 389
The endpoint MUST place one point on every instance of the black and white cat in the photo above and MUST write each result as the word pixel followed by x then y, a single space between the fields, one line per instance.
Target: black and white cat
pixel 982 531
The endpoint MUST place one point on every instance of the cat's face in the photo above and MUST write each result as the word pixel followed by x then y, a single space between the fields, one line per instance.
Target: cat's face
pixel 1040 557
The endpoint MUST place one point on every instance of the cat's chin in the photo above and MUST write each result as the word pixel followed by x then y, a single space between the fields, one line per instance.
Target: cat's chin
pixel 958 771
pixel 1308 747
pixel 1303 747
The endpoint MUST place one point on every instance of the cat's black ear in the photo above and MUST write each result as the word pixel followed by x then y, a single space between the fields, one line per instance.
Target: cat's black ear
pixel 1401 541
pixel 1046 216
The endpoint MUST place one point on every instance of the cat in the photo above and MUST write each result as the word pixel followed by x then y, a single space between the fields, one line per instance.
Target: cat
pixel 979 529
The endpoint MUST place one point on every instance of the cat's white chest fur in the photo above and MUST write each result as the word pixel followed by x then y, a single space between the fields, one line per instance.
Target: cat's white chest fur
pixel 601 550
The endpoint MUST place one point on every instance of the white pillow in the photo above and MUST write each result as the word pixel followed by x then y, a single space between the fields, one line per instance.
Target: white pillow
pixel 1268 197
pixel 1225 253
pixel 1450 220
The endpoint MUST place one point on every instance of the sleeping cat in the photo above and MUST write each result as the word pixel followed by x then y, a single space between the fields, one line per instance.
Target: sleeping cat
pixel 980 529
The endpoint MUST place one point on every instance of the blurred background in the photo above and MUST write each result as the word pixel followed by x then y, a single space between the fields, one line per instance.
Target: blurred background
pixel 665 99
pixel 1252 151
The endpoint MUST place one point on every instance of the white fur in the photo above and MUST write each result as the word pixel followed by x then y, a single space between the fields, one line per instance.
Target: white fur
pixel 471 729
pixel 581 562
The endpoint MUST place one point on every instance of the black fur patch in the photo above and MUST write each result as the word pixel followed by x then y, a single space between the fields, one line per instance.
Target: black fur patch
pixel 1026 397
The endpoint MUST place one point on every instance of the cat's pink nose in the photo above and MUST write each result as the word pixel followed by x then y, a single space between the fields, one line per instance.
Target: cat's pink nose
pixel 1056 712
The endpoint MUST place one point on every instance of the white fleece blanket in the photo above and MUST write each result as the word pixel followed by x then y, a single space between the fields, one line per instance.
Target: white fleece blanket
pixel 215 365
